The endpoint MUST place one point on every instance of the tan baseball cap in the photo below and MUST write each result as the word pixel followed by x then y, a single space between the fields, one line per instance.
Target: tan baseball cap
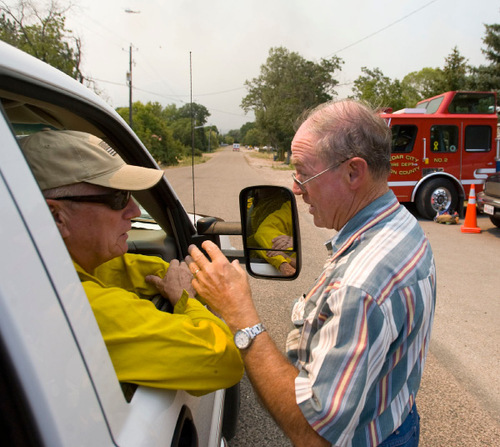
pixel 64 157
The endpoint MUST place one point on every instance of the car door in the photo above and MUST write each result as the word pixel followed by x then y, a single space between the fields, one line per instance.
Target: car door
pixel 79 373
pixel 41 353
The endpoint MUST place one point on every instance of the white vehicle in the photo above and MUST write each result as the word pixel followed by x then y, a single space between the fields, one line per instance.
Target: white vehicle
pixel 57 383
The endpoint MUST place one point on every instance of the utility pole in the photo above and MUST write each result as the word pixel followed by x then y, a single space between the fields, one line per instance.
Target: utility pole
pixel 129 81
pixel 129 74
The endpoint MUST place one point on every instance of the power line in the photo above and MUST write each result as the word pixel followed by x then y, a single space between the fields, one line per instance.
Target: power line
pixel 383 29
pixel 170 97
pixel 221 92
pixel 121 84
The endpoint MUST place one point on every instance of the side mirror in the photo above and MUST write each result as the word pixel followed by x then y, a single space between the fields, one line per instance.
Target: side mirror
pixel 270 229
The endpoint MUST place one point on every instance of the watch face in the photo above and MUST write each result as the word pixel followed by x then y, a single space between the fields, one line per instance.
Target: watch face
pixel 242 340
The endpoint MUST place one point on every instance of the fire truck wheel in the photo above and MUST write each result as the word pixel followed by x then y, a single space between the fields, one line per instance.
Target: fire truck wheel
pixel 436 195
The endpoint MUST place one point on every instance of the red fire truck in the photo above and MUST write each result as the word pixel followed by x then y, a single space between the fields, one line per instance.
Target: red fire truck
pixel 441 147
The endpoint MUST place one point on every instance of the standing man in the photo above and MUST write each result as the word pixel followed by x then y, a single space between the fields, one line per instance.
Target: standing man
pixel 361 334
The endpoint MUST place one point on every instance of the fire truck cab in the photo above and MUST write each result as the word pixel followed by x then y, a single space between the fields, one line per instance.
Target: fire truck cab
pixel 441 147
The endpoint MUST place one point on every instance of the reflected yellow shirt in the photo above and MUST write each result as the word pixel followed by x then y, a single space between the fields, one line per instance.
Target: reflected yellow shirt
pixel 276 224
pixel 191 349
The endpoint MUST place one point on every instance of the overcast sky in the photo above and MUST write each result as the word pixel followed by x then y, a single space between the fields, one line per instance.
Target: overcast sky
pixel 229 40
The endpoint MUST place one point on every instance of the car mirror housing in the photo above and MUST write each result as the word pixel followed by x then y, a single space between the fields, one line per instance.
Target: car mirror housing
pixel 270 230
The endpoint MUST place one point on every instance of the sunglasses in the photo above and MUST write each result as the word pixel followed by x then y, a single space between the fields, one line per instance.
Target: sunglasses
pixel 116 200
pixel 301 184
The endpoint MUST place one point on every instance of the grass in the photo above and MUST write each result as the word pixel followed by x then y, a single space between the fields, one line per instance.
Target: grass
pixel 261 155
pixel 188 159
pixel 279 165
pixel 282 166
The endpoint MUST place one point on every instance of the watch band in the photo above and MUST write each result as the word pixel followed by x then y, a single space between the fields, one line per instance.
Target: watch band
pixel 255 330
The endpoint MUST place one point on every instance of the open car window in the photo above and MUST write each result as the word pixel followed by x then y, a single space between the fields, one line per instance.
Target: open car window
pixel 31 110
pixel 27 116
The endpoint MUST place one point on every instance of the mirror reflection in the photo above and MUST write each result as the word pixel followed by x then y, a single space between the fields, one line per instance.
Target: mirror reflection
pixel 269 231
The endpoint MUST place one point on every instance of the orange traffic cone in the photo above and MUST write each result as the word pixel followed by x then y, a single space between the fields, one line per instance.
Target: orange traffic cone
pixel 470 224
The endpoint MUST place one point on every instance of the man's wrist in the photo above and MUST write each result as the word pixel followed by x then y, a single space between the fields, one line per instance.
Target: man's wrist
pixel 243 338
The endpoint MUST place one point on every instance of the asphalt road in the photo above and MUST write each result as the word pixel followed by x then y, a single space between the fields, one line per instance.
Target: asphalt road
pixel 459 400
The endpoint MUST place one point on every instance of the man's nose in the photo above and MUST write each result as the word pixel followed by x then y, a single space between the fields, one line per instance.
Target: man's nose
pixel 132 209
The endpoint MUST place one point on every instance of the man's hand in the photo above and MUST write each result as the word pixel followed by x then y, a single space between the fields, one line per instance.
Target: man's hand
pixel 287 269
pixel 223 284
pixel 177 279
pixel 282 242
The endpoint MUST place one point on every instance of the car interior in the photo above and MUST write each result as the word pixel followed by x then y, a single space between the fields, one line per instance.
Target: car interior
pixel 30 113
pixel 153 232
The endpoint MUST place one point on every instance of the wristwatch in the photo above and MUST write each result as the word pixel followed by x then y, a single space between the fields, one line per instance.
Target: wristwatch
pixel 244 337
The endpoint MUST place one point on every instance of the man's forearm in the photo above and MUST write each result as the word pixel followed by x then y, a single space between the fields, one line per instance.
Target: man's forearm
pixel 225 287
pixel 273 378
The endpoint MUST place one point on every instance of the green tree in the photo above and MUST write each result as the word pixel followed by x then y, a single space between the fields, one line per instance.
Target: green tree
pixel 191 114
pixel 487 77
pixel 287 85
pixel 197 112
pixel 42 33
pixel 378 90
pixel 235 134
pixel 253 138
pixel 171 113
pixel 213 138
pixel 492 42
pixel 484 78
pixel 206 138
pixel 455 71
pixel 182 131
pixel 152 128
pixel 190 120
pixel 422 84
pixel 244 129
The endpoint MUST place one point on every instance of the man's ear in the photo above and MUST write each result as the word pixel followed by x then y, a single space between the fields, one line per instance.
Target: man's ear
pixel 60 215
pixel 357 171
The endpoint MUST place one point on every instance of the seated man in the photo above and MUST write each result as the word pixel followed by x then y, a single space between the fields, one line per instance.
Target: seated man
pixel 87 187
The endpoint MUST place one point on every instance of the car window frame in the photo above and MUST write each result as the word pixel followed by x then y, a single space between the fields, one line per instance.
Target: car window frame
pixel 160 201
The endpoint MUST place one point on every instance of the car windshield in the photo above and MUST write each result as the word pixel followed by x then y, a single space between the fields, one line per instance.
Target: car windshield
pixel 144 221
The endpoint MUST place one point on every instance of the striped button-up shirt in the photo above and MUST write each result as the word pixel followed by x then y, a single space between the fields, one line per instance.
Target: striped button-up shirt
pixel 362 332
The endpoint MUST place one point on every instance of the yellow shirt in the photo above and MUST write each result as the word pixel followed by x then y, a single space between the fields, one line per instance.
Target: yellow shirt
pixel 276 224
pixel 191 349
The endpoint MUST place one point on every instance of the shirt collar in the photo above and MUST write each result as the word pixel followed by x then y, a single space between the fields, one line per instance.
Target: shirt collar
pixel 364 219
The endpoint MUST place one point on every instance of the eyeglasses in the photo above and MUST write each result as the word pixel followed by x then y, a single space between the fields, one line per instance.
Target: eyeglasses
pixel 116 200
pixel 301 184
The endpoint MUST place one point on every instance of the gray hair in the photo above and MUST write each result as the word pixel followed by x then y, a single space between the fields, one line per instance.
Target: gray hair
pixel 75 189
pixel 346 129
